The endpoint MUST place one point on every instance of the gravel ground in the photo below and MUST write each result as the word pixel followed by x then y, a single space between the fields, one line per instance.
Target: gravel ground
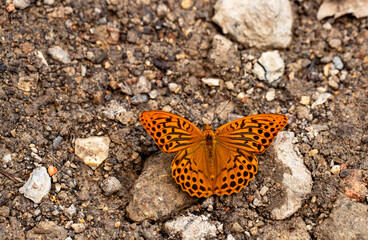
pixel 71 70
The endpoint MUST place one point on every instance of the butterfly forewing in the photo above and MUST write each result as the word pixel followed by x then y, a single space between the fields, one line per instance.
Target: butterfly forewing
pixel 170 132
pixel 252 134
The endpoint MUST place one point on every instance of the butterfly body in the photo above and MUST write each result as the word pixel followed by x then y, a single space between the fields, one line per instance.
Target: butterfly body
pixel 208 162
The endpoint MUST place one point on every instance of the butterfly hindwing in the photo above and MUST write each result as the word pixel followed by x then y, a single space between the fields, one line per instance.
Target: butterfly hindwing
pixel 236 169
pixel 170 132
pixel 189 171
pixel 252 134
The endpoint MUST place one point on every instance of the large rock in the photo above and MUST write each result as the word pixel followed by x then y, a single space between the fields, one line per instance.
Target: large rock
pixel 192 227
pixel 296 178
pixel 155 193
pixel 262 24
pixel 347 221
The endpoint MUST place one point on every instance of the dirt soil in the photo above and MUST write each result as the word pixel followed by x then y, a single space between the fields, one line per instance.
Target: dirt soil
pixel 112 44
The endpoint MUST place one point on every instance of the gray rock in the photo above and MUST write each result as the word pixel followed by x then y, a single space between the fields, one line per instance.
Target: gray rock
pixel 270 67
pixel 139 99
pixel 297 180
pixel 293 229
pixel 37 186
pixel 263 24
pixel 192 227
pixel 21 4
pixel 110 185
pixel 348 221
pixel 59 54
pixel 155 193
pixel 70 212
pixel 47 230
pixel 338 63
pixel 57 141
pixel 321 98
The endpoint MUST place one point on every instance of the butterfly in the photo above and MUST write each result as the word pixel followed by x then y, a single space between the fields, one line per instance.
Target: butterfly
pixel 208 162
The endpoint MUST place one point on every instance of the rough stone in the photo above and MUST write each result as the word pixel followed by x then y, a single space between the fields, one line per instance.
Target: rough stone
pixel 297 180
pixel 37 186
pixel 348 220
pixel 192 227
pixel 110 185
pixel 155 193
pixel 270 67
pixel 92 150
pixel 59 54
pixel 262 24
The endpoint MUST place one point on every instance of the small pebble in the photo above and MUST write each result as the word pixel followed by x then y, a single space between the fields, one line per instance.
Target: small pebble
pixel 313 152
pixel 21 4
pixel 338 63
pixel 305 100
pixel 92 150
pixel 241 95
pixel 139 99
pixel 335 169
pixel 333 84
pixel 344 173
pixel 59 54
pixel 335 43
pixel 57 141
pixel 271 94
pixel 254 231
pixel 173 87
pixel 185 4
pixel 110 185
pixel 70 211
pixel 212 82
pixel 264 190
pixel 78 227
pixel 229 85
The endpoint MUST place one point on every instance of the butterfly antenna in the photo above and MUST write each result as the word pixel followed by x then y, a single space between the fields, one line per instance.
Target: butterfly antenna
pixel 191 115
pixel 215 116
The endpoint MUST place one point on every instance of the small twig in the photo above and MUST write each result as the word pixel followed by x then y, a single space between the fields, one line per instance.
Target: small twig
pixel 15 179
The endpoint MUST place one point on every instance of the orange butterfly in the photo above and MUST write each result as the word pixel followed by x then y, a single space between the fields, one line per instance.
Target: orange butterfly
pixel 221 162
